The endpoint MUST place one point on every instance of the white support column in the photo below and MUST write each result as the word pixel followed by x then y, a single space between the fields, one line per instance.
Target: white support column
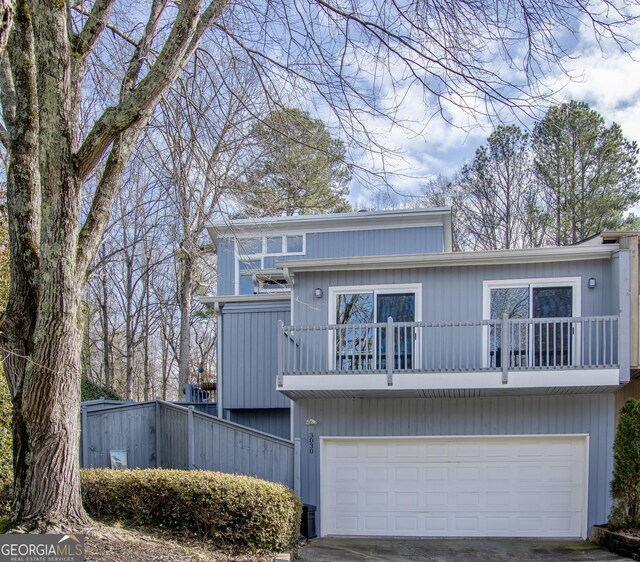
pixel 624 326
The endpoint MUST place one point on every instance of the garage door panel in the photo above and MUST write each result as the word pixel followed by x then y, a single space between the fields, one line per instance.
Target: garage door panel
pixel 496 487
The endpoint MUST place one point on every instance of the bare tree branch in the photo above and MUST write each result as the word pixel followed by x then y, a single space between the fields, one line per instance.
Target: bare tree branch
pixel 185 33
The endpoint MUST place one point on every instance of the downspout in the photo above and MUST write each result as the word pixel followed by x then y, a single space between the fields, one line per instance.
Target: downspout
pixel 289 279
pixel 624 303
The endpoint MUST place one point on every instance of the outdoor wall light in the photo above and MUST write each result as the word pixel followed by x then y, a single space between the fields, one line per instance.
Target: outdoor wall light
pixel 311 421
pixel 318 293
pixel 592 282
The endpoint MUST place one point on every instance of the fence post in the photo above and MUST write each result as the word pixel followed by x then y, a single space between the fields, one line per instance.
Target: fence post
pixel 280 352
pixel 191 441
pixel 84 432
pixel 390 351
pixel 505 358
pixel 296 465
pixel 158 436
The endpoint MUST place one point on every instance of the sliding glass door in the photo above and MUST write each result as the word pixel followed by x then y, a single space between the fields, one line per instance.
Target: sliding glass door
pixel 552 341
pixel 533 342
pixel 360 346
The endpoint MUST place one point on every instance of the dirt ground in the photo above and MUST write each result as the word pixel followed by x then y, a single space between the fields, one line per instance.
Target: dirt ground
pixel 111 544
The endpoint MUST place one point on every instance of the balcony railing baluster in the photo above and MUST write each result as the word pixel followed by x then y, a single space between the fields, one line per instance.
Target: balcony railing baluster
pixel 484 345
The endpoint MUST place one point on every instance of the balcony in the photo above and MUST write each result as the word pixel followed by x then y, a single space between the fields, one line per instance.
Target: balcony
pixel 484 357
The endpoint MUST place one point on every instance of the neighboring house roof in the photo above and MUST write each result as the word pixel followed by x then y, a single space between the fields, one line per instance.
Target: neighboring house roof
pixel 450 259
pixel 361 220
pixel 608 237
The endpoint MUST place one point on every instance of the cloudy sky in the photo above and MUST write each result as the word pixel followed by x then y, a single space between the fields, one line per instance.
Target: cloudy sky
pixel 609 82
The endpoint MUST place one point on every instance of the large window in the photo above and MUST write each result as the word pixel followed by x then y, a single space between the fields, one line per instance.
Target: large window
pixel 534 340
pixel 250 260
pixel 359 345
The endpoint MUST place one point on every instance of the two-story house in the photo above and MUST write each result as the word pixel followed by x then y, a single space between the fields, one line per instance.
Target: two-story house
pixel 433 393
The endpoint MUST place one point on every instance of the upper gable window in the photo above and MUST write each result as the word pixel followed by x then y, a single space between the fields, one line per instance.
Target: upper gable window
pixel 250 246
pixel 250 258
pixel 295 244
pixel 274 244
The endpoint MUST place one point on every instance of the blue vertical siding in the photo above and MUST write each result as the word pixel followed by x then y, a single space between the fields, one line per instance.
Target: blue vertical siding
pixel 456 293
pixel 250 355
pixel 390 241
pixel 505 415
pixel 226 266
pixel 276 421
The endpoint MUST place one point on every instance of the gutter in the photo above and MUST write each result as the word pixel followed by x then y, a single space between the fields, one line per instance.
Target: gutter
pixel 453 259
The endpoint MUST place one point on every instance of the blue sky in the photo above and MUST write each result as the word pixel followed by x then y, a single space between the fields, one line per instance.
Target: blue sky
pixel 609 82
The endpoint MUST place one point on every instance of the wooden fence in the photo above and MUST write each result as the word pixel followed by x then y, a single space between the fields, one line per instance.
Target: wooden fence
pixel 159 434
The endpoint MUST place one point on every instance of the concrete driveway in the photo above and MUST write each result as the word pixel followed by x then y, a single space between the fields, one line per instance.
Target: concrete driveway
pixel 446 550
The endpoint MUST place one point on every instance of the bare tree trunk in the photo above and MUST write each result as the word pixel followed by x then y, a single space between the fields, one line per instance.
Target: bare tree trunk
pixel 41 322
pixel 85 356
pixel 106 342
pixel 129 328
pixel 165 368
pixel 147 376
pixel 186 295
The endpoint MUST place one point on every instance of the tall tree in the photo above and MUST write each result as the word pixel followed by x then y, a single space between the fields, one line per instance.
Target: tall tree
pixel 498 192
pixel 194 146
pixel 298 167
pixel 588 172
pixel 52 245
pixel 64 143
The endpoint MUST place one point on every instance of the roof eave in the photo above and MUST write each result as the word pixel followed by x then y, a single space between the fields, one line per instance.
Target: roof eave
pixel 453 259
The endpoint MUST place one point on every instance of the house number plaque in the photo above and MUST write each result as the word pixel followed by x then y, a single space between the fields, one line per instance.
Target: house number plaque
pixel 311 442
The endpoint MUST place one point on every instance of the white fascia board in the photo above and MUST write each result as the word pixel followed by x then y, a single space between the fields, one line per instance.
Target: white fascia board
pixel 454 259
pixel 520 380
pixel 369 220
pixel 228 299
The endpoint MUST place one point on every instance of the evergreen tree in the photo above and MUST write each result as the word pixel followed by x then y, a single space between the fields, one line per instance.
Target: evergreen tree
pixel 299 168
pixel 625 486
pixel 587 172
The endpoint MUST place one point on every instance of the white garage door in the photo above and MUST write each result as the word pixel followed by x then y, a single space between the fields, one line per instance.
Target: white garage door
pixel 519 486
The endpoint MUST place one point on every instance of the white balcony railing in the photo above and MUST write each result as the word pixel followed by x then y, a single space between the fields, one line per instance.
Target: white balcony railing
pixel 505 345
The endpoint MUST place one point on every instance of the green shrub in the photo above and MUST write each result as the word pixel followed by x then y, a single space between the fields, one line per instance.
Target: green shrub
pixel 6 447
pixel 89 390
pixel 231 510
pixel 625 486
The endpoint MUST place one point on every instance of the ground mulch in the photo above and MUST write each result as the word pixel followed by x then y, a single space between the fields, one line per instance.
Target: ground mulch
pixel 112 544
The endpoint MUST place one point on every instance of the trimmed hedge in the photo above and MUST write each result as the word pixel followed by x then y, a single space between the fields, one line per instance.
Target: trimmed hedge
pixel 625 486
pixel 231 510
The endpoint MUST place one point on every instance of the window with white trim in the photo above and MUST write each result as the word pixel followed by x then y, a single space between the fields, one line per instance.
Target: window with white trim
pixel 533 341
pixel 360 345
pixel 250 261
